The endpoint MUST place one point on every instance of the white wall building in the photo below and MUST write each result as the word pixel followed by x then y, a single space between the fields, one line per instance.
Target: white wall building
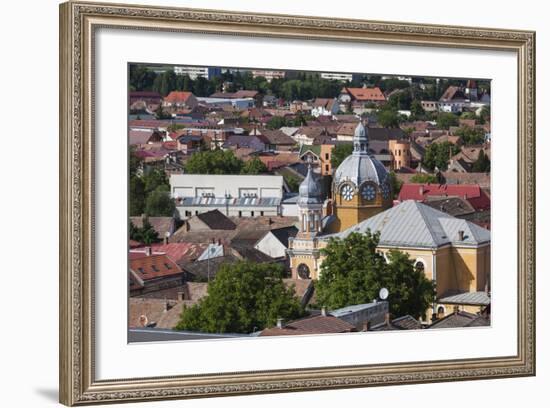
pixel 233 195
pixel 337 76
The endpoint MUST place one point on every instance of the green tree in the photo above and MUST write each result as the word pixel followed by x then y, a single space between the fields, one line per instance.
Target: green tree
pixel 410 291
pixel 244 297
pixel 254 166
pixel 423 178
pixel 159 203
pixel 276 122
pixel 136 196
pixel 293 182
pixel 471 136
pixel 482 164
pixel 214 162
pixel 353 272
pixel 154 179
pixel 485 114
pixel 438 155
pixel 339 153
pixel 395 183
pixel 445 120
pixel 145 234
pixel 389 118
pixel 417 111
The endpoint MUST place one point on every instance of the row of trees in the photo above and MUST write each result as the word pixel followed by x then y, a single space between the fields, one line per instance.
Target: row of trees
pixel 149 191
pixel 246 296
pixel 296 85
pixel 219 161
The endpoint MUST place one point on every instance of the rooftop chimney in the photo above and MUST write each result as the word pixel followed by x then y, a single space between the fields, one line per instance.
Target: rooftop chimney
pixel 461 235
pixel 148 251
pixel 280 323
pixel 421 190
pixel 323 311
pixel 366 326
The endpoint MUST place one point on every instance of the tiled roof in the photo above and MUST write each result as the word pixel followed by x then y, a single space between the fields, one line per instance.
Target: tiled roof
pixel 413 224
pixel 154 267
pixel 366 94
pixel 455 206
pixel 475 195
pixel 178 96
pixel 209 268
pixel 145 311
pixel 137 137
pixel 406 322
pixel 161 225
pixel 374 133
pixel 180 251
pixel 214 219
pixel 311 325
pixel 303 288
pixel 460 319
pixel 277 137
pixel 452 92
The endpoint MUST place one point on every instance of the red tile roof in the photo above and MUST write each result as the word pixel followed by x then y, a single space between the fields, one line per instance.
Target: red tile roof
pixel 366 94
pixel 475 195
pixel 311 325
pixel 153 267
pixel 180 251
pixel 178 96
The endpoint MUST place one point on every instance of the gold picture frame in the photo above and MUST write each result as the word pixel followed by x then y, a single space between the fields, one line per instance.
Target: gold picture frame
pixel 78 21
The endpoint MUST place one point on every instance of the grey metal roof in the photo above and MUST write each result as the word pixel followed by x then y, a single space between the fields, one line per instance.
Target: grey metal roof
pixel 231 202
pixel 360 168
pixel 310 189
pixel 413 224
pixel 354 308
pixel 467 298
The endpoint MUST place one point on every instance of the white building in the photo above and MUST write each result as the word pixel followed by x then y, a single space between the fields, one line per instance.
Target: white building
pixel 196 72
pixel 239 103
pixel 337 76
pixel 269 75
pixel 233 195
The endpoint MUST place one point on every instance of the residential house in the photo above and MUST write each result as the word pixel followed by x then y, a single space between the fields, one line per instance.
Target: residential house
pixel 164 226
pixel 359 98
pixel 180 99
pixel 325 107
pixel 143 137
pixel 473 193
pixel 274 243
pixel 319 324
pixel 152 273
pixel 406 322
pixel 460 319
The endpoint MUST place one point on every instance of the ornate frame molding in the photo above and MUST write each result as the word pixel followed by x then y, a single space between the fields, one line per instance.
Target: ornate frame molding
pixel 77 24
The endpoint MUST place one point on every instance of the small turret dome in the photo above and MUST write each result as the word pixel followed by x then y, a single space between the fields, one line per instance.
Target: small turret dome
pixel 310 190
pixel 360 166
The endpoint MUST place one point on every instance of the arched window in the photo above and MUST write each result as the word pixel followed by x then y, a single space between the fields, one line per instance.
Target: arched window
pixel 440 312
pixel 419 265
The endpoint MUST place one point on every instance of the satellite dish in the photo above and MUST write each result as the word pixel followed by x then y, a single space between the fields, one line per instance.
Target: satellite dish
pixel 383 294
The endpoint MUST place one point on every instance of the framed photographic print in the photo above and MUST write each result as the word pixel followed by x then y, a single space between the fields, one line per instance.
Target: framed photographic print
pixel 256 203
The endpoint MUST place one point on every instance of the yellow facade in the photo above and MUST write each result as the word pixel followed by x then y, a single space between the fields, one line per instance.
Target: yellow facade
pixel 454 269
pixel 401 153
pixel 348 213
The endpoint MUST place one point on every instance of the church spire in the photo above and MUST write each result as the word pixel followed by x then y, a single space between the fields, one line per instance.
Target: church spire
pixel 360 140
